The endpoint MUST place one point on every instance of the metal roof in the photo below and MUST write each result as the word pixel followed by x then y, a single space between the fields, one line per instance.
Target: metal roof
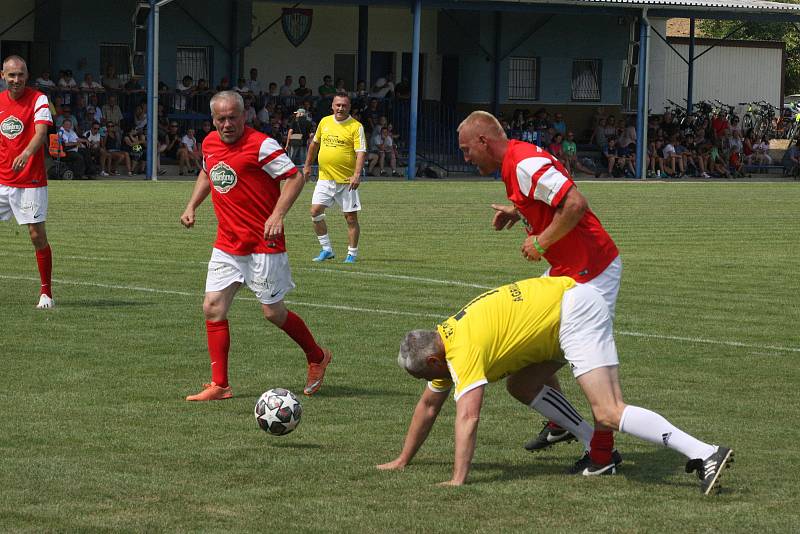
pixel 747 6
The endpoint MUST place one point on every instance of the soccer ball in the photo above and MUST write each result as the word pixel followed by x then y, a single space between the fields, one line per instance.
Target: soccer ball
pixel 278 411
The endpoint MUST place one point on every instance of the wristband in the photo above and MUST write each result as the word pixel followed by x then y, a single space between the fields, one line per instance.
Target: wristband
pixel 539 247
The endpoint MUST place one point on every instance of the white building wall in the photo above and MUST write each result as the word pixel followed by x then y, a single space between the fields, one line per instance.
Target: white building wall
pixel 12 11
pixel 334 30
pixel 731 74
pixel 658 53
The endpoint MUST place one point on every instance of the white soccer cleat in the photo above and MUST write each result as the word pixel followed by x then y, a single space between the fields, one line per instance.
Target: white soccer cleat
pixel 45 303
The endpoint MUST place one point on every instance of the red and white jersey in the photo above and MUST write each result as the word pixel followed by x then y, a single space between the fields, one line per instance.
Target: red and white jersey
pixel 245 185
pixel 17 127
pixel 536 183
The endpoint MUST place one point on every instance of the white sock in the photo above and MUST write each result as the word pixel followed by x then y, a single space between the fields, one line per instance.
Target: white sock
pixel 652 427
pixel 553 405
pixel 352 251
pixel 325 242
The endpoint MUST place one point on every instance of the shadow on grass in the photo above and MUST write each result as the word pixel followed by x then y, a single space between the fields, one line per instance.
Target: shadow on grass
pixel 294 445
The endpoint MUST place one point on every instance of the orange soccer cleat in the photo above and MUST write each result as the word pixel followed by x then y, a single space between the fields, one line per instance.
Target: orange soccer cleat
pixel 212 392
pixel 316 373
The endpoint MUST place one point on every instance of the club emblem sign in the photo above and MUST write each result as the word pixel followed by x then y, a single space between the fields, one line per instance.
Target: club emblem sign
pixel 296 24
pixel 11 127
pixel 223 177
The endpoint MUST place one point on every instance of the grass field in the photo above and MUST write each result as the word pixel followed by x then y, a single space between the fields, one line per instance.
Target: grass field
pixel 96 435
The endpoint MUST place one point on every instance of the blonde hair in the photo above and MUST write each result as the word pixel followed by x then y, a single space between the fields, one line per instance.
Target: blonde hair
pixel 486 123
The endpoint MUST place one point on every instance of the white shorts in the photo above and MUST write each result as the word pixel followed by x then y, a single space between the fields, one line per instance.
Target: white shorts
pixel 27 204
pixel 267 275
pixel 606 283
pixel 328 191
pixel 586 334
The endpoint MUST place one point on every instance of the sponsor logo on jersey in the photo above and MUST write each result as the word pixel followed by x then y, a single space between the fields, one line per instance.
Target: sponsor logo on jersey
pixel 223 177
pixel 11 127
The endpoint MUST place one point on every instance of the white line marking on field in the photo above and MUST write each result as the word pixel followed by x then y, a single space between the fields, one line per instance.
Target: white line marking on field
pixel 188 294
pixel 410 314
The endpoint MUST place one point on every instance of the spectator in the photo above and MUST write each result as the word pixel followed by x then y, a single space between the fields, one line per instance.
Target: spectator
pixel 74 147
pixel 94 147
pixel 79 108
pixel 669 125
pixel 381 89
pixel 610 158
pixel 559 124
pixel 326 89
pixel 300 129
pixel 341 88
pixel 748 149
pixel 111 111
pixel 114 154
pixel 134 145
pixel 253 84
pixel 599 134
pixel 88 120
pixel 385 147
pixel 302 91
pixel 541 125
pixel 140 117
pixel 64 115
pixel 361 90
pixel 691 159
pixel 201 134
pixel 242 87
pixel 172 142
pixel 673 162
pixel 133 86
pixel 570 151
pixel 717 164
pixel 224 84
pixel 286 88
pixel 761 150
pixel 44 83
pixel 184 91
pixel 555 147
pixel 372 115
pixel 611 127
pixel 273 90
pixel 89 85
pixel 202 87
pixel 791 161
pixel 719 124
pixel 628 135
pixel 189 156
pixel 110 80
pixel 67 82
pixel 403 89
pixel 264 113
pixel 250 114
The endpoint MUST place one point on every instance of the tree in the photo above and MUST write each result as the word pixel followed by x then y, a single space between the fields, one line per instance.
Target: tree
pixel 761 31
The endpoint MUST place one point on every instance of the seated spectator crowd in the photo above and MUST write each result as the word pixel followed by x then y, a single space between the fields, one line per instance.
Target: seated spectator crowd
pixel 102 125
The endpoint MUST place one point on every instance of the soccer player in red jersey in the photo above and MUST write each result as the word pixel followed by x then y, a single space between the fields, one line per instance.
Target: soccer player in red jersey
pixel 242 169
pixel 24 119
pixel 563 230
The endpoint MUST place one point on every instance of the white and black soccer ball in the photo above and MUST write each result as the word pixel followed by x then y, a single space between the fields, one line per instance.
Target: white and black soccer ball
pixel 278 411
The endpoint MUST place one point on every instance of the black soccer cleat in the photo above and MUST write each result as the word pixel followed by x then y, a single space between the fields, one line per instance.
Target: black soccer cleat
pixel 585 467
pixel 709 471
pixel 549 437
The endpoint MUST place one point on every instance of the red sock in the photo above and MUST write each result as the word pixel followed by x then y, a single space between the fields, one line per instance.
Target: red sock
pixel 44 259
pixel 299 332
pixel 601 446
pixel 219 342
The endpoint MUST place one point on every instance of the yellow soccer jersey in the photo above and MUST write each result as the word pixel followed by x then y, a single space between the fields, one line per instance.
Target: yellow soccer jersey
pixel 501 332
pixel 339 142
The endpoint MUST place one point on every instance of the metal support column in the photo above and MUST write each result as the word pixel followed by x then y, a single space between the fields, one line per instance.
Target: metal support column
pixel 363 33
pixel 642 105
pixel 412 131
pixel 690 82
pixel 152 91
pixel 498 22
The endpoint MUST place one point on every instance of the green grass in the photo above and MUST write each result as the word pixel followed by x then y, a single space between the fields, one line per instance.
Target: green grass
pixel 96 435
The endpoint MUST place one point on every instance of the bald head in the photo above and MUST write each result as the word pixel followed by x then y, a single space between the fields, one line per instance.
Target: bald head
pixel 13 61
pixel 15 74
pixel 483 141
pixel 482 123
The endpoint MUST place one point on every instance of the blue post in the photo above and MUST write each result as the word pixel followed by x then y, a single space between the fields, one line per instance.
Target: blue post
pixel 412 130
pixel 690 84
pixel 152 93
pixel 641 101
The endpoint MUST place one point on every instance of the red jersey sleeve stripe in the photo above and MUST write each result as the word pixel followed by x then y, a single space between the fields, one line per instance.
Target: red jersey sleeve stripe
pixel 551 187
pixel 267 150
pixel 280 166
pixel 527 170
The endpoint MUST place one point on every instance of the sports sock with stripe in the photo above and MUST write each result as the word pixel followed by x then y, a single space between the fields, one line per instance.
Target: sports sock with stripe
pixel 649 426
pixel 553 405
pixel 44 260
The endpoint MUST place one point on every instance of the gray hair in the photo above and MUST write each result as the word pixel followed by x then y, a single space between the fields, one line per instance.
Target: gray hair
pixel 486 122
pixel 227 95
pixel 415 349
pixel 14 58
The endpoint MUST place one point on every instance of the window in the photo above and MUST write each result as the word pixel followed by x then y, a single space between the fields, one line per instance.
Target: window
pixel 118 55
pixel 523 78
pixel 194 61
pixel 586 79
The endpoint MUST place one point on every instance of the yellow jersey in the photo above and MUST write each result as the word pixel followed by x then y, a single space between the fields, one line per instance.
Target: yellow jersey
pixel 339 142
pixel 501 332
